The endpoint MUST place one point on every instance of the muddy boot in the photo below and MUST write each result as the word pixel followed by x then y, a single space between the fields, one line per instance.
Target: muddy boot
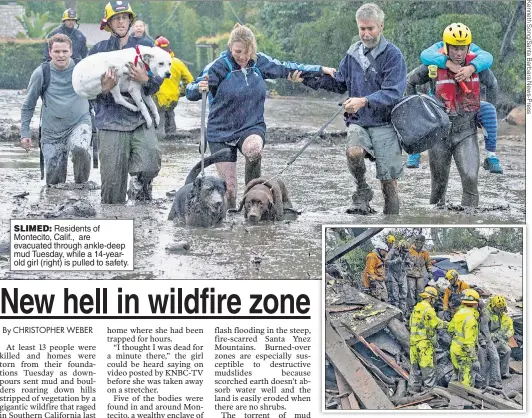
pixel 134 188
pixel 391 197
pixel 144 193
pixel 252 170
pixel 361 199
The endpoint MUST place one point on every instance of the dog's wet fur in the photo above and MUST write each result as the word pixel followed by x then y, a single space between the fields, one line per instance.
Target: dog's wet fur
pixel 202 201
pixel 265 200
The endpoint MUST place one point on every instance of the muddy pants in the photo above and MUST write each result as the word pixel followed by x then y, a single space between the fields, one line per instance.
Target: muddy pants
pixel 465 364
pixel 378 290
pixel 467 158
pixel 490 369
pixel 504 352
pixel 167 123
pixel 128 152
pixel 56 156
pixel 397 289
pixel 415 287
pixel 422 358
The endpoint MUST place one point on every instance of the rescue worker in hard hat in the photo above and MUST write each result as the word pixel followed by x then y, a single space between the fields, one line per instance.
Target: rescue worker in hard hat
pixel 501 329
pixel 79 43
pixel 396 262
pixel 168 95
pixel 373 277
pixel 452 297
pixel 464 328
pixel 462 102
pixel 127 145
pixel 423 338
pixel 416 272
pixel 487 114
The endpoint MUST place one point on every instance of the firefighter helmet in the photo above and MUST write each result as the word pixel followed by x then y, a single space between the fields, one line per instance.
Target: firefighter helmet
pixel 499 302
pixel 69 14
pixel 112 9
pixel 470 297
pixel 451 275
pixel 429 292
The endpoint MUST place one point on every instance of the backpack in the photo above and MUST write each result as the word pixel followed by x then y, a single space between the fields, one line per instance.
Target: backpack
pixel 45 66
pixel 420 122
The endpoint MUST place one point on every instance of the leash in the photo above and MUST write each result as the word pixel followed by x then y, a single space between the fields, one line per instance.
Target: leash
pixel 310 141
pixel 202 131
pixel 139 57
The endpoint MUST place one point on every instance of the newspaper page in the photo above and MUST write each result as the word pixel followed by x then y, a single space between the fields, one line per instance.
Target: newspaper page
pixel 164 254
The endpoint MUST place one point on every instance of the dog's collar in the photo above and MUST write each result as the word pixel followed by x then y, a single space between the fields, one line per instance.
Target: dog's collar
pixel 139 56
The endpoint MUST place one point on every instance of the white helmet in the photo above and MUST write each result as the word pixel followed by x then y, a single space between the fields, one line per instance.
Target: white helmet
pixel 381 246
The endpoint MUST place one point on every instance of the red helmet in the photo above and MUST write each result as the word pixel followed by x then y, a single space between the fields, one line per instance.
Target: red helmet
pixel 162 42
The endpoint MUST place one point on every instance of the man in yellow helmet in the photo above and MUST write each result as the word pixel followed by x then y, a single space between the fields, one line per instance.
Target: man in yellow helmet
pixel 79 43
pixel 423 338
pixel 127 145
pixel 462 101
pixel 373 277
pixel 464 329
pixel 498 327
pixel 452 296
pixel 168 95
pixel 416 272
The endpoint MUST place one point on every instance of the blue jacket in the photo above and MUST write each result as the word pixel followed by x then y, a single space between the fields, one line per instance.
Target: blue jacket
pixel 382 83
pixel 236 95
pixel 109 115
pixel 79 43
pixel 431 56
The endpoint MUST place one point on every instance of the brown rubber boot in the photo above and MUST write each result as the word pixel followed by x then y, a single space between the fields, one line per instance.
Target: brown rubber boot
pixel 252 170
pixel 391 197
pixel 361 199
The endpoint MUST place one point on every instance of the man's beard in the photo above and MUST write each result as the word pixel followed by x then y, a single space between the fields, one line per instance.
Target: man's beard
pixel 372 42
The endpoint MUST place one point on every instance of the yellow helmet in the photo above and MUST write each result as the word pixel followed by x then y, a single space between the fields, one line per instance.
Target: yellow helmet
pixel 499 302
pixel 451 274
pixel 456 34
pixel 390 239
pixel 112 9
pixel 429 292
pixel 470 297
pixel 69 14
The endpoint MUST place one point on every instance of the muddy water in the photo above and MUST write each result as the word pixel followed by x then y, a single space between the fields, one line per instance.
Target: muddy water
pixel 318 183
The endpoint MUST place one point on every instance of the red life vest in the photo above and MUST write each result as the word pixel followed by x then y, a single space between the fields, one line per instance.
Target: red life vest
pixel 455 98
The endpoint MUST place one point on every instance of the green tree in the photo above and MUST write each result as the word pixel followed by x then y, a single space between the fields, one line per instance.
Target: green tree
pixel 36 25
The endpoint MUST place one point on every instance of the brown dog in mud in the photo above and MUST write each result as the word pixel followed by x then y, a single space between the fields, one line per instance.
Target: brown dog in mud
pixel 265 200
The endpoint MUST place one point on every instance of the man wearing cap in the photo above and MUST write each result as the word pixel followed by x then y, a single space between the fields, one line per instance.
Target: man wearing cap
pixel 127 145
pixel 168 95
pixel 373 277
pixel 423 338
pixel 79 42
pixel 416 275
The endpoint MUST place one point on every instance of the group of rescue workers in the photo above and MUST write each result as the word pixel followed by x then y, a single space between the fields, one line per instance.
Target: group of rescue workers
pixel 373 72
pixel 481 330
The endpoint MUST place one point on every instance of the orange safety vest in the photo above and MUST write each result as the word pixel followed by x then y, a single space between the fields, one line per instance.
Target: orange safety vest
pixel 451 93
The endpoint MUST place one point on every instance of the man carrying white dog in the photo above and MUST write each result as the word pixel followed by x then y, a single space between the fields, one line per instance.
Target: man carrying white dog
pixel 65 120
pixel 127 145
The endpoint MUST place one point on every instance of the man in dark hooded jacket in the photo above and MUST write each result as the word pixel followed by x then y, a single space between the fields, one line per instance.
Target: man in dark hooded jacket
pixel 79 42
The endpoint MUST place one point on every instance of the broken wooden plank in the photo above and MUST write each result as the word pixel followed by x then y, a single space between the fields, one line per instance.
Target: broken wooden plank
pixel 390 361
pixel 417 401
pixel 512 343
pixel 516 366
pixel 460 390
pixel 348 402
pixel 367 391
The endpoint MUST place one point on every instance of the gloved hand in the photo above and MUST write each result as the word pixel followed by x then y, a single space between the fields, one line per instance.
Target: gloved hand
pixel 447 315
pixel 470 351
pixel 445 324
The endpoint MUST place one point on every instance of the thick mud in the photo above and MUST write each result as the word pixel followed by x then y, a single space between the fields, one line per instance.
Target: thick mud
pixel 318 182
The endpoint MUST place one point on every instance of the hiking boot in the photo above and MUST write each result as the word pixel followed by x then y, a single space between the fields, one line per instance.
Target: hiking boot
pixel 413 161
pixel 134 188
pixel 361 199
pixel 496 385
pixel 492 165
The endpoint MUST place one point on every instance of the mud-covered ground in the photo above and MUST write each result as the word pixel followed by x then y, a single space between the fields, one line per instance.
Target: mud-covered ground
pixel 318 182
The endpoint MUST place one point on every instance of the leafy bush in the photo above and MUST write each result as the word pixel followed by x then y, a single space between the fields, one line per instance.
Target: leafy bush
pixel 18 59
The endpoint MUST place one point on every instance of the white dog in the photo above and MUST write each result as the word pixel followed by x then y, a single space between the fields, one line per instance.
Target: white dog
pixel 86 78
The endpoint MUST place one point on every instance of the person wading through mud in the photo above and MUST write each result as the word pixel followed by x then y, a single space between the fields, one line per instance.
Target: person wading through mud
pixel 237 91
pixel 462 101
pixel 79 42
pixel 374 274
pixel 415 274
pixel 423 339
pixel 127 145
pixel 168 95
pixel 373 72
pixel 65 124
pixel 487 115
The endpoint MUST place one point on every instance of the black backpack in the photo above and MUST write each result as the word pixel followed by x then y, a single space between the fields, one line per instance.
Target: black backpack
pixel 45 66
pixel 420 122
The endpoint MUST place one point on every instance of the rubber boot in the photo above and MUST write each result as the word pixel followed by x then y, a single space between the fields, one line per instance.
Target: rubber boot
pixel 361 199
pixel 391 197
pixel 252 170
pixel 493 165
pixel 413 161
pixel 139 189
